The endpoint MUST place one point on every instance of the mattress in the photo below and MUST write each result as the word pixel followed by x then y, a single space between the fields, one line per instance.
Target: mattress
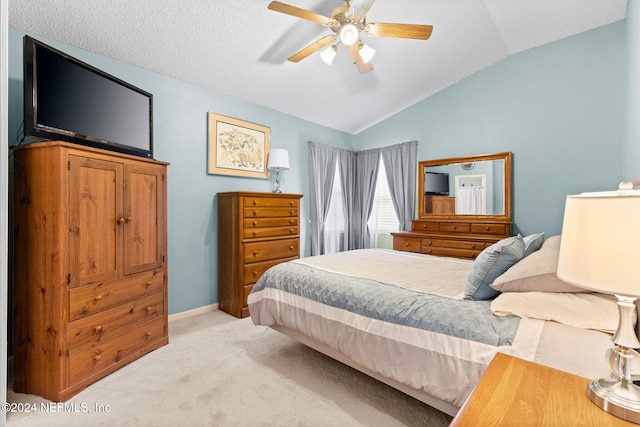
pixel 347 302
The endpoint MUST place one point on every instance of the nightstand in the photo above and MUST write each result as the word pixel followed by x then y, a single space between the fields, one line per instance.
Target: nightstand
pixel 514 391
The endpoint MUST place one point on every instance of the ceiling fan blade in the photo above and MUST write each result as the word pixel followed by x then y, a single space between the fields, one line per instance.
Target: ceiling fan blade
pixel 363 67
pixel 299 13
pixel 312 48
pixel 363 8
pixel 405 31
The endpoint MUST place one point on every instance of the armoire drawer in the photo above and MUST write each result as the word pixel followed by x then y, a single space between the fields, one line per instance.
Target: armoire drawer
pixel 451 252
pixel 251 233
pixel 451 243
pixel 273 249
pixel 89 360
pixel 115 321
pixel 91 299
pixel 455 227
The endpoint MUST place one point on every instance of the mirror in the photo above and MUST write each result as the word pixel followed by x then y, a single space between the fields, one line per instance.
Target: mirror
pixel 466 186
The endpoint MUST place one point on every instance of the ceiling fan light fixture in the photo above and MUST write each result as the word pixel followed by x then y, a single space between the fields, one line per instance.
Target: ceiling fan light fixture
pixel 348 34
pixel 366 53
pixel 328 54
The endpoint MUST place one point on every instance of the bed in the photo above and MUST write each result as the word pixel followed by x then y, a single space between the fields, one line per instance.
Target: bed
pixel 429 326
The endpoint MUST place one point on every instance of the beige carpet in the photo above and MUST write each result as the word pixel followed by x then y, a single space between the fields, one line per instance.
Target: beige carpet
pixel 221 371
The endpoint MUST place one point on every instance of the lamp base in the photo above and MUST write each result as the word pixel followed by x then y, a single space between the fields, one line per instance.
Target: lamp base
pixel 619 398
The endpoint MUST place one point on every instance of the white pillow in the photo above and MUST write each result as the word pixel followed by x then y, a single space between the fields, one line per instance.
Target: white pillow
pixel 586 311
pixel 536 272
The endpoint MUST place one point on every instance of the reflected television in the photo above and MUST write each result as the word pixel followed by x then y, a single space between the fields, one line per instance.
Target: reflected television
pixel 436 184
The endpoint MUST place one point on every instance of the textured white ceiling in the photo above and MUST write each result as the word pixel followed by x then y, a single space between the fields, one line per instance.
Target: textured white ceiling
pixel 239 47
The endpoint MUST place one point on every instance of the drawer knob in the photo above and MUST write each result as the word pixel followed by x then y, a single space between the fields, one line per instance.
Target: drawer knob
pixel 120 220
pixel 428 251
pixel 455 227
pixel 291 231
pixel 290 248
pixel 98 297
pixel 97 357
pixel 148 308
pixel 291 222
pixel 128 219
pixel 148 333
pixel 255 213
pixel 486 228
pixel 147 284
pixel 255 253
pixel 255 273
pixel 98 328
pixel 255 203
pixel 290 203
pixel 406 245
pixel 255 222
pixel 473 246
pixel 255 234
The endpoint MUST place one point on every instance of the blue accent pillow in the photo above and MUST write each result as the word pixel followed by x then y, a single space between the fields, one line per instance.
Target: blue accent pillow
pixel 491 263
pixel 532 243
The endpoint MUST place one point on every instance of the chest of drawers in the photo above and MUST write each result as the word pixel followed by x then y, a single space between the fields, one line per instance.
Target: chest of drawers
pixel 452 238
pixel 256 231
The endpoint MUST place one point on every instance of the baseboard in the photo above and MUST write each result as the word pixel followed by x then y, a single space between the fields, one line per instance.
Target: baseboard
pixel 194 312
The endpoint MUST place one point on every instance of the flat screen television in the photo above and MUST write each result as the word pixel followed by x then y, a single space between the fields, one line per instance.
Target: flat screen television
pixel 436 184
pixel 67 99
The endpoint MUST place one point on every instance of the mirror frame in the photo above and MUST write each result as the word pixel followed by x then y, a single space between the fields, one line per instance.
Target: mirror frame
pixel 508 170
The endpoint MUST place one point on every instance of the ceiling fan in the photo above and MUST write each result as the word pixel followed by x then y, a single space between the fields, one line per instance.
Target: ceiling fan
pixel 347 24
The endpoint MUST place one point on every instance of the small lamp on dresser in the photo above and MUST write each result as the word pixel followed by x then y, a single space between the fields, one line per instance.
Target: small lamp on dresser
pixel 599 251
pixel 278 159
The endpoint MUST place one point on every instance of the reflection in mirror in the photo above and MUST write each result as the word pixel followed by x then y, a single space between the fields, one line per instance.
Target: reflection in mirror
pixel 472 186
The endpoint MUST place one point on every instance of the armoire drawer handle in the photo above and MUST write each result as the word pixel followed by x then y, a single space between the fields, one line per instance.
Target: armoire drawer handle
pixel 291 222
pixel 291 212
pixel 406 245
pixel 290 203
pixel 147 284
pixel 255 253
pixel 97 357
pixel 255 273
pixel 148 308
pixel 291 231
pixel 486 228
pixel 98 297
pixel 120 220
pixel 255 234
pixel 455 227
pixel 290 248
pixel 255 203
pixel 148 333
pixel 98 328
pixel 255 222
pixel 255 213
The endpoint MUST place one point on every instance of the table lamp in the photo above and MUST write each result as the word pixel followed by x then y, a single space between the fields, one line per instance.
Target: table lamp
pixel 599 251
pixel 278 159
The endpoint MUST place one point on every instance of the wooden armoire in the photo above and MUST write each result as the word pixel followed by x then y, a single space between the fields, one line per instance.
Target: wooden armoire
pixel 90 264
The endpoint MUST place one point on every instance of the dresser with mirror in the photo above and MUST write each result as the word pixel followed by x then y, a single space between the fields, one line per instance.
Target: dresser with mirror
pixel 464 206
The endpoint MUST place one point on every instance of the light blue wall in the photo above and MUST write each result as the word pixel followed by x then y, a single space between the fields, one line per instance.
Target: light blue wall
pixel 632 139
pixel 559 108
pixel 180 137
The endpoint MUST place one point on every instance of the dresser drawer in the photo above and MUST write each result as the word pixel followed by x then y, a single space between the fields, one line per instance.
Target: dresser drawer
pixel 115 321
pixel 270 222
pixel 425 226
pixel 91 359
pixel 451 252
pixel 270 212
pixel 91 299
pixel 250 233
pixel 455 227
pixel 269 202
pixel 274 249
pixel 494 229
pixel 407 244
pixel 253 271
pixel 459 244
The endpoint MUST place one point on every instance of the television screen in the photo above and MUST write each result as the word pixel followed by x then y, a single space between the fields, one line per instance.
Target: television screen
pixel 436 183
pixel 67 99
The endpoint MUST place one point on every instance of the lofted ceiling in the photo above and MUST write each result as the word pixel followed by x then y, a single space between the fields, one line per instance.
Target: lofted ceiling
pixel 240 48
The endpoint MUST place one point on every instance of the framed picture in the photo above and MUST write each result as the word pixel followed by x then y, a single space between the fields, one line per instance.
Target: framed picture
pixel 236 147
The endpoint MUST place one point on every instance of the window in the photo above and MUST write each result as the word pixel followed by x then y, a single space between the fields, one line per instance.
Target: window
pixel 334 223
pixel 383 219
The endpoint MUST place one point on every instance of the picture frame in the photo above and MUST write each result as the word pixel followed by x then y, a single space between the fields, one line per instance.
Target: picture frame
pixel 237 147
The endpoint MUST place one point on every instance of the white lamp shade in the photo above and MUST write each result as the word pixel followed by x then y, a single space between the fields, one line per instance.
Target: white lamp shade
pixel 328 54
pixel 366 53
pixel 348 34
pixel 278 158
pixel 600 246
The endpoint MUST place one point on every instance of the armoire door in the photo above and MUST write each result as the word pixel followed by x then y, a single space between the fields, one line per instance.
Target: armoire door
pixel 95 220
pixel 144 215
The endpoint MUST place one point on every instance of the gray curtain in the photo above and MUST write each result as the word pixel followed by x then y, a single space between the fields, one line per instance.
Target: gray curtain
pixel 366 175
pixel 322 167
pixel 400 162
pixel 347 165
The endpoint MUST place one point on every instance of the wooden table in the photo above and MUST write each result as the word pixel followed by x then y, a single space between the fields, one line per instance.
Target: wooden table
pixel 514 391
